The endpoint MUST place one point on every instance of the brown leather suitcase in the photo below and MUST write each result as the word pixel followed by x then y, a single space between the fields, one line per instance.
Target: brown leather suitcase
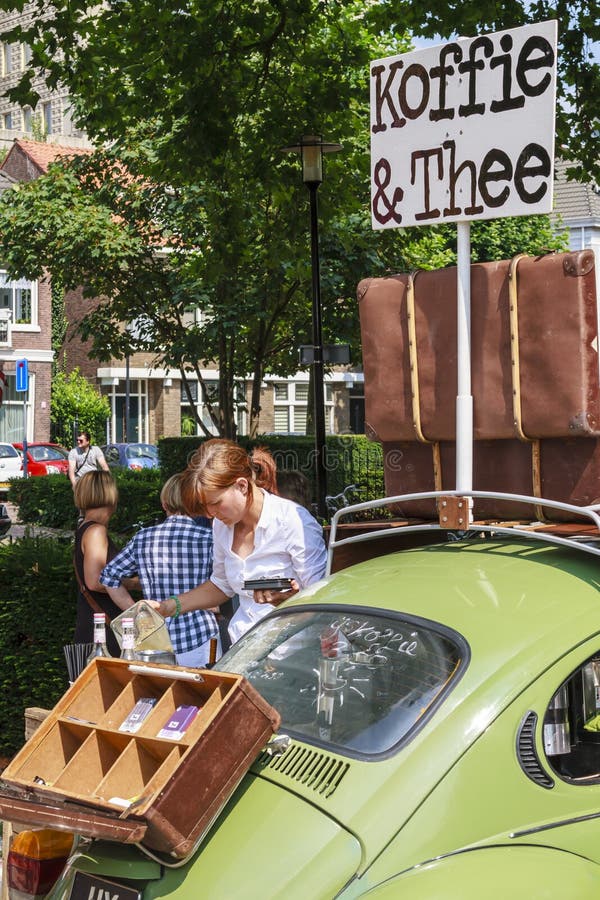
pixel 535 369
pixel 80 772
pixel 566 470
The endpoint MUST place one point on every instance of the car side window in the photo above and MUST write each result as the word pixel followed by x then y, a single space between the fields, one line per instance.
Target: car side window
pixel 571 726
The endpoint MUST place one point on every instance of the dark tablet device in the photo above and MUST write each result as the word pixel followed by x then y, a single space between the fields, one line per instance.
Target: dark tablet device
pixel 268 584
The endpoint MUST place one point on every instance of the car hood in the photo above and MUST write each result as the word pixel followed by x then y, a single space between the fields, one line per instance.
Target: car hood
pixel 266 844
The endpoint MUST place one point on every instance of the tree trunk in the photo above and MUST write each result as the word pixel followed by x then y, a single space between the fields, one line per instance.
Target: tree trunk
pixel 255 406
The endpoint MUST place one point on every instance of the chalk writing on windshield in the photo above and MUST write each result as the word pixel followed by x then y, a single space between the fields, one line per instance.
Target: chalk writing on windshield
pixel 363 632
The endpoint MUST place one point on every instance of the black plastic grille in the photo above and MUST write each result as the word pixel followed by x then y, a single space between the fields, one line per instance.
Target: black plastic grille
pixel 527 753
pixel 311 768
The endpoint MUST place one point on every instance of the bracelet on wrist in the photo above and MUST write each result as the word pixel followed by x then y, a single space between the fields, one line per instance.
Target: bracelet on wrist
pixel 177 602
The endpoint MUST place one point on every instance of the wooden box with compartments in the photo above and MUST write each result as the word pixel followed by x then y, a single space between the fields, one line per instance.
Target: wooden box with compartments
pixel 82 772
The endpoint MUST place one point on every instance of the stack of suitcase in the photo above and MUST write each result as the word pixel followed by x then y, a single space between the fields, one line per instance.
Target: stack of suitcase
pixel 535 381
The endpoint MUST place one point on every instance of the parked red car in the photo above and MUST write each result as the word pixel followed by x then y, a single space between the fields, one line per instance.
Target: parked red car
pixel 45 459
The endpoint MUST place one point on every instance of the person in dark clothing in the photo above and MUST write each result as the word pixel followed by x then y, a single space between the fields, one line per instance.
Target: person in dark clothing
pixel 96 495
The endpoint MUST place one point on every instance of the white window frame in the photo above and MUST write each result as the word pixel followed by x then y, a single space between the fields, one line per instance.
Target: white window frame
pixel 291 403
pixel 22 283
pixel 7 60
pixel 25 56
pixel 212 381
pixel 47 117
pixel 27 115
pixel 138 387
pixel 12 408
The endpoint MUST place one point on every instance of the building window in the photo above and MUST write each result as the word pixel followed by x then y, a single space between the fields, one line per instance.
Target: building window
pixel 7 121
pixel 190 426
pixel 138 410
pixel 67 121
pixel 20 297
pixel 28 119
pixel 357 409
pixel 6 59
pixel 25 55
pixel 47 117
pixel 290 407
pixel 11 410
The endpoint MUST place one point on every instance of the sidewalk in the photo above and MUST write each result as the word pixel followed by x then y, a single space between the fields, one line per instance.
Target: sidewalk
pixel 18 531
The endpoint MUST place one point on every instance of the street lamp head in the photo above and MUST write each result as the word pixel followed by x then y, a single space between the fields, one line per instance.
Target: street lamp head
pixel 311 148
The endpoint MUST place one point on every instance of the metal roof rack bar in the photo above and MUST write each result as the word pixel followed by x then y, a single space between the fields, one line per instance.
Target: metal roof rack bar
pixel 589 512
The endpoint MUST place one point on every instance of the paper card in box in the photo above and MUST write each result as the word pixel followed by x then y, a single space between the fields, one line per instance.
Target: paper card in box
pixel 138 714
pixel 178 723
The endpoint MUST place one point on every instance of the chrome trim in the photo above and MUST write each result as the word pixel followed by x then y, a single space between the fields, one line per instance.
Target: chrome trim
pixel 575 820
pixel 495 528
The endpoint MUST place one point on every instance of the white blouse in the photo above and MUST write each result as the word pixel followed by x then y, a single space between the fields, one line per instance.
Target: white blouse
pixel 288 543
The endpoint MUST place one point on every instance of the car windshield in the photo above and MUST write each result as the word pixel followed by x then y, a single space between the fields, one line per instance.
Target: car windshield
pixel 361 681
pixel 135 451
pixel 7 450
pixel 44 453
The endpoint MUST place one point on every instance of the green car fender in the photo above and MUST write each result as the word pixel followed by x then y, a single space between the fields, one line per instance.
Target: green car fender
pixel 496 873
pixel 268 844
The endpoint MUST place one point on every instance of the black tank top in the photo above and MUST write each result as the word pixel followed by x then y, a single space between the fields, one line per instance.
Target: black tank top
pixel 84 622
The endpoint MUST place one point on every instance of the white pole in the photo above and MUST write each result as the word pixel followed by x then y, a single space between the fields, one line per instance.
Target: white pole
pixel 464 399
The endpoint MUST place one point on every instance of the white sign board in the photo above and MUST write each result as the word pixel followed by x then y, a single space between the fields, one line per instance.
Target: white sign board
pixel 464 130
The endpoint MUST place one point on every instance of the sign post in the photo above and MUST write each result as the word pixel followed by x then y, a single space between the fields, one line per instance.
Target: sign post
pixel 22 385
pixel 460 132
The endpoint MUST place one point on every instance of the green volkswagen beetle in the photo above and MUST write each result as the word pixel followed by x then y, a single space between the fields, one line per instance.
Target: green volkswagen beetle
pixel 440 736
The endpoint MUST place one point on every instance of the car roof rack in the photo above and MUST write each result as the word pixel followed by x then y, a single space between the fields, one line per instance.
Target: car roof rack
pixel 454 516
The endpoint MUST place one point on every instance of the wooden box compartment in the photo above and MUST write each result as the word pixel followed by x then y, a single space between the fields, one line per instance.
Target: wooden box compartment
pixel 79 771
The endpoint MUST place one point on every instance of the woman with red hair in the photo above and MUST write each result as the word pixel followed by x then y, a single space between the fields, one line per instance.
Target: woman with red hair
pixel 256 533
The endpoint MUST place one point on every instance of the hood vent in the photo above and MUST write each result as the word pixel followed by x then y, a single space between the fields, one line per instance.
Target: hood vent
pixel 527 753
pixel 312 769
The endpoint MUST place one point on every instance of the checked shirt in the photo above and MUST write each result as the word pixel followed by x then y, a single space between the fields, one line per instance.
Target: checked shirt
pixel 170 558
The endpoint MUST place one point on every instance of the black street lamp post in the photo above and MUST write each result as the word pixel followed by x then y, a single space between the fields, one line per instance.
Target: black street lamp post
pixel 311 148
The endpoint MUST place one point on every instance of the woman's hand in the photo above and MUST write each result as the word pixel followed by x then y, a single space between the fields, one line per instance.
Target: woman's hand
pixel 161 607
pixel 275 598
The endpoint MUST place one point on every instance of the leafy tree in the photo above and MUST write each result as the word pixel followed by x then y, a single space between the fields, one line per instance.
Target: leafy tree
pixel 243 82
pixel 75 403
pixel 91 223
pixel 205 65
pixel 59 323
pixel 196 98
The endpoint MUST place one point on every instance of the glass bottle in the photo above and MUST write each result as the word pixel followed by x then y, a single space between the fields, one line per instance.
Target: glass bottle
pixel 127 639
pixel 100 648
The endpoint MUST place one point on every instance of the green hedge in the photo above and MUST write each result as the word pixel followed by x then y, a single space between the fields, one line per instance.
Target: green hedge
pixel 48 501
pixel 37 618
pixel 350 459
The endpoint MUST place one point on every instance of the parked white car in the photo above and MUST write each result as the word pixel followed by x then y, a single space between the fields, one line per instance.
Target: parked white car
pixel 11 465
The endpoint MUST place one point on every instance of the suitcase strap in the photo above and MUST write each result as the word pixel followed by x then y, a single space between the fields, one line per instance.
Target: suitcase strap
pixel 414 381
pixel 513 305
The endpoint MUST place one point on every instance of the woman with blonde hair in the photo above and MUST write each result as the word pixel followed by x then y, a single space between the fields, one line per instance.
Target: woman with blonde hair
pixel 96 495
pixel 256 533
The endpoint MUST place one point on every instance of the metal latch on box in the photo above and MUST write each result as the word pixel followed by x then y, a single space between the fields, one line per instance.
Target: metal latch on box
pixel 278 745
